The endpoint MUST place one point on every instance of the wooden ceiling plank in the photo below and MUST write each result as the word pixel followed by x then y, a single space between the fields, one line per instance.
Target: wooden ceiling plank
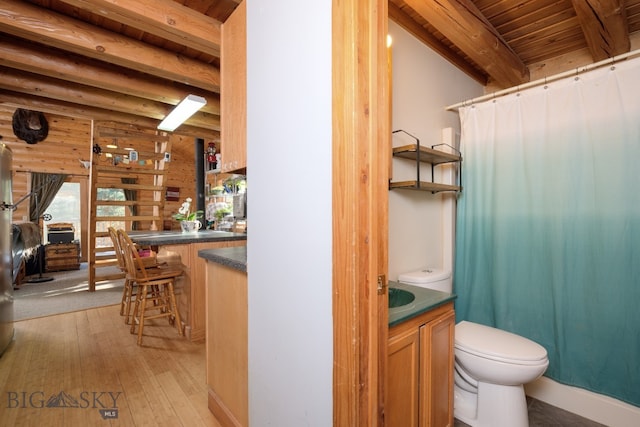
pixel 409 24
pixel 34 84
pixel 33 58
pixel 605 27
pixel 163 18
pixel 461 22
pixel 41 25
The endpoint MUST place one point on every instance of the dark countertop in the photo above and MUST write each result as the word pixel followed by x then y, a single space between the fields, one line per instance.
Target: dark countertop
pixel 426 299
pixel 155 238
pixel 234 257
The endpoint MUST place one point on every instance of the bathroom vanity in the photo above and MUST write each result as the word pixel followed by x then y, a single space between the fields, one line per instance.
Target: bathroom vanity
pixel 420 359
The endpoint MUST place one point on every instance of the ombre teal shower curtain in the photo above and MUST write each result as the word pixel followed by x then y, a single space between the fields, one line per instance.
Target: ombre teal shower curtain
pixel 548 224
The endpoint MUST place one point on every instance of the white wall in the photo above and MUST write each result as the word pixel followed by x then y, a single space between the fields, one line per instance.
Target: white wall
pixel 289 212
pixel 423 85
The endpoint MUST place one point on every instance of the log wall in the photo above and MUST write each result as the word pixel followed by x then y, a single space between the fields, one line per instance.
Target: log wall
pixel 69 142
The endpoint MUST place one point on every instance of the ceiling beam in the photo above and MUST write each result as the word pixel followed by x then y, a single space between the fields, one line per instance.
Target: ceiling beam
pixel 605 27
pixel 21 100
pixel 53 29
pixel 34 58
pixel 409 24
pixel 37 85
pixel 163 18
pixel 462 22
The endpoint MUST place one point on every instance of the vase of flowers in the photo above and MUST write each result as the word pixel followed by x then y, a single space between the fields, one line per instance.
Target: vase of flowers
pixel 188 220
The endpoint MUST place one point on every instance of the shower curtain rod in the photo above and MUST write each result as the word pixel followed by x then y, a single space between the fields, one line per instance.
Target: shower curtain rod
pixel 545 80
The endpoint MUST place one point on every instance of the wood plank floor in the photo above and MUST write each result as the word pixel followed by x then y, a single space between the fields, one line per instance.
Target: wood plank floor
pixel 85 369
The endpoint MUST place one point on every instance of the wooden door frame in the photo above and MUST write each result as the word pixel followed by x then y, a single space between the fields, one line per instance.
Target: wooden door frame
pixel 361 150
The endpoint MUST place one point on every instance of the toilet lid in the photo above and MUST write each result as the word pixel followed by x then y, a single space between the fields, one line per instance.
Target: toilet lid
pixel 426 275
pixel 492 343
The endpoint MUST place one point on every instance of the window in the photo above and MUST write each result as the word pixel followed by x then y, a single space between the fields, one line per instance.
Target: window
pixel 105 194
pixel 65 207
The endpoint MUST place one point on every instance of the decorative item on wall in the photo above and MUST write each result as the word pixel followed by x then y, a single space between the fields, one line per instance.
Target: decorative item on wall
pixel 172 194
pixel 30 126
pixel 97 149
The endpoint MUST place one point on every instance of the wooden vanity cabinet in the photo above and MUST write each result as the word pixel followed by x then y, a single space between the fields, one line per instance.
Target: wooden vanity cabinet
pixel 420 370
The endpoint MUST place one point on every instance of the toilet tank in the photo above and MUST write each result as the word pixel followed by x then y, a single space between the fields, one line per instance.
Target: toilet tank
pixel 431 278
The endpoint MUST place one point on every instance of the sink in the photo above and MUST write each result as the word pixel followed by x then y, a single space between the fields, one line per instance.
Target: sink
pixel 400 297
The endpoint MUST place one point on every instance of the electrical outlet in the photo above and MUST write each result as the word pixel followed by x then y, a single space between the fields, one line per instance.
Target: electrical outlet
pixel 167 157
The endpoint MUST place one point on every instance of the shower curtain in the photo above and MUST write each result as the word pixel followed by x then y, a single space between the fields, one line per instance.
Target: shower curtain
pixel 548 225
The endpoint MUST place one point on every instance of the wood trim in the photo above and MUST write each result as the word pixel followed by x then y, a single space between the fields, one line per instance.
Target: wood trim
pixel 360 172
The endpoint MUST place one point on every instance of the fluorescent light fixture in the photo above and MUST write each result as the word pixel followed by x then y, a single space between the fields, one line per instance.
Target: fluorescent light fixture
pixel 185 109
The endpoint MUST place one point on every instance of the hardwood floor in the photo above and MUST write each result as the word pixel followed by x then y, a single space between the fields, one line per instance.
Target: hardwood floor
pixel 85 369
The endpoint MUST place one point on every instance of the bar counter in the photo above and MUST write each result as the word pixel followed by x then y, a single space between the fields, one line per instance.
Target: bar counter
pixel 178 248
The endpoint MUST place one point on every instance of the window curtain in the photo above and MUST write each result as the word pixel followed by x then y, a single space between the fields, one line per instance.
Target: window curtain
pixel 548 225
pixel 44 187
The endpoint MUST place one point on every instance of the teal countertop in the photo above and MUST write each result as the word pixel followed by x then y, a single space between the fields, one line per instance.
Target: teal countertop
pixel 426 299
pixel 155 238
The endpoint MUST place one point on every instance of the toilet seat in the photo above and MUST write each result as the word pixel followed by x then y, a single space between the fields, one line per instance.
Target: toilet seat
pixel 495 344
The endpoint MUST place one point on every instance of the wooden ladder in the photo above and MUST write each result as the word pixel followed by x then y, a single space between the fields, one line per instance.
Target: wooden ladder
pixel 142 180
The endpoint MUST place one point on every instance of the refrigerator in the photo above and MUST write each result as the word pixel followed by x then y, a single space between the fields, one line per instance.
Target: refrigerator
pixel 6 238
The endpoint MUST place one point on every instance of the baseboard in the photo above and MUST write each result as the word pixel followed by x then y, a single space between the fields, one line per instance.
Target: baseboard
pixel 597 407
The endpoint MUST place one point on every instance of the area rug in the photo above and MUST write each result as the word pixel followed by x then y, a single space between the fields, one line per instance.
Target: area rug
pixel 68 291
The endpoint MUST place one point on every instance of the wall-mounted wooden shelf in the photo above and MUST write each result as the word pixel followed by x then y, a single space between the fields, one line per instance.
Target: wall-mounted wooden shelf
pixel 421 154
pixel 433 187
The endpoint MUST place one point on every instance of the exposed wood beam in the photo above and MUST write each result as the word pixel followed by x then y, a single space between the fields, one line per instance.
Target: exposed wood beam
pixel 42 25
pixel 11 79
pixel 463 23
pixel 163 18
pixel 409 24
pixel 605 27
pixel 25 56
pixel 20 100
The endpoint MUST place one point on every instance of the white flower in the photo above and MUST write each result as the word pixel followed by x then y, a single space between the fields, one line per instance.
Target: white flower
pixel 184 212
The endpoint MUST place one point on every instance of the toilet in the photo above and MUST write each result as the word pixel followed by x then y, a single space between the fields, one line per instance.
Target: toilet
pixel 491 365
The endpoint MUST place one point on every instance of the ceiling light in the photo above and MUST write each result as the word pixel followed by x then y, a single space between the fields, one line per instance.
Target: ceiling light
pixel 182 112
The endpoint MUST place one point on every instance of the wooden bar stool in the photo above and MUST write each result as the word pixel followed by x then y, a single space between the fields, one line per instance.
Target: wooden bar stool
pixel 128 291
pixel 155 297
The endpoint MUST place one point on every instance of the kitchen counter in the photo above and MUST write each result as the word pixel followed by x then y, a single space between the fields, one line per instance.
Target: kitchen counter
pixel 155 238
pixel 235 257
pixel 227 334
pixel 181 250
pixel 426 299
